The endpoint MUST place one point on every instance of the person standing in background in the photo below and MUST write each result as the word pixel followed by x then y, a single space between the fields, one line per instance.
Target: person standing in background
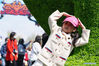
pixel 36 48
pixel 44 39
pixel 12 50
pixel 3 52
pixel 21 51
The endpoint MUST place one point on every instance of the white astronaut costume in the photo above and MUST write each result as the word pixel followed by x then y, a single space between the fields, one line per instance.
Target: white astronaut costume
pixel 59 44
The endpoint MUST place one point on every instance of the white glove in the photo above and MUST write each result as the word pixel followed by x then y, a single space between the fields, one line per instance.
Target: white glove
pixel 11 62
pixel 16 51
pixel 13 54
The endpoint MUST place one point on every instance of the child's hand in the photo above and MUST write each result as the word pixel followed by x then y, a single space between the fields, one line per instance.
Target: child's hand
pixel 66 14
pixel 31 41
pixel 81 25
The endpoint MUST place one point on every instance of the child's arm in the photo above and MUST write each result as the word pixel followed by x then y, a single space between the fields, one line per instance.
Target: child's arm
pixel 52 20
pixel 28 43
pixel 85 36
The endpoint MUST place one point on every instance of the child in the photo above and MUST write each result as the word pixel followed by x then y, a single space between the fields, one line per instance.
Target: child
pixel 62 41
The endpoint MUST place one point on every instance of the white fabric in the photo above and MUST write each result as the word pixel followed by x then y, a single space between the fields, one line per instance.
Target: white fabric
pixel 36 48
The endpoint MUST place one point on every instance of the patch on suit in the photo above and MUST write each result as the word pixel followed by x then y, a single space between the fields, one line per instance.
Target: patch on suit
pixel 48 49
pixel 58 36
pixel 69 44
pixel 62 58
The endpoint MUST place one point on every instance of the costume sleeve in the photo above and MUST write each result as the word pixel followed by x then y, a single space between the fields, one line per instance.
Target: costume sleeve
pixel 84 38
pixel 15 45
pixel 9 46
pixel 52 20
